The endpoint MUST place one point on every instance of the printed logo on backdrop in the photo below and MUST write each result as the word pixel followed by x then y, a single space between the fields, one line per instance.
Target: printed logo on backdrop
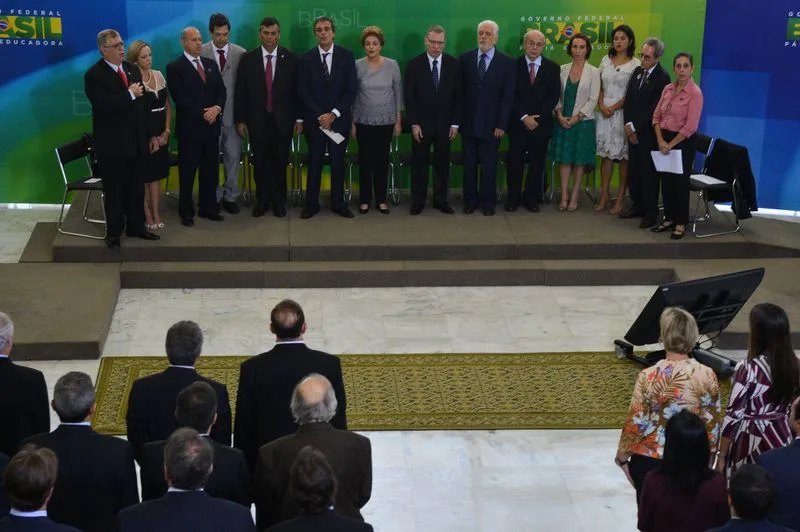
pixel 344 18
pixel 792 30
pixel 30 27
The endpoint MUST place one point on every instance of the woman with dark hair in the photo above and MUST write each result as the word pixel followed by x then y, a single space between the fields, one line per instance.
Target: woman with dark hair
pixel 764 386
pixel 684 493
pixel 612 142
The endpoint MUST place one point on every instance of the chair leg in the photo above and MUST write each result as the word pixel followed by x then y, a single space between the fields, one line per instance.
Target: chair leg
pixel 72 233
pixel 348 191
pixel 85 211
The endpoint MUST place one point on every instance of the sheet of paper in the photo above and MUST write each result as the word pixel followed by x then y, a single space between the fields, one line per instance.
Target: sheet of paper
pixel 334 136
pixel 92 181
pixel 670 163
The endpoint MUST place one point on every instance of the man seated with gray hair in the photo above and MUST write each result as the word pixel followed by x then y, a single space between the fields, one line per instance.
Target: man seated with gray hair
pixel 24 410
pixel 96 475
pixel 151 404
pixel 188 464
pixel 313 405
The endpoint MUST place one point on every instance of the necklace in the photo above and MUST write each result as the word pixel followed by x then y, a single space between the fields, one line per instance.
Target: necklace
pixel 147 81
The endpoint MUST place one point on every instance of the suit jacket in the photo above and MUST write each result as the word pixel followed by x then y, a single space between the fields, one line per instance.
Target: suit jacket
pixel 784 464
pixel 119 123
pixel 431 109
pixel 24 407
pixel 230 479
pixel 741 525
pixel 183 511
pixel 192 96
pixel 641 103
pixel 588 90
pixel 348 453
pixel 151 407
pixel 4 506
pixel 327 521
pixel 487 104
pixel 266 383
pixel 537 99
pixel 320 97
pixel 11 523
pixel 96 477
pixel 251 92
pixel 232 59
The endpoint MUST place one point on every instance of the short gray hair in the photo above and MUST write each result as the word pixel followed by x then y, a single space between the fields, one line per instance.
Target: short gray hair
pixel 679 332
pixel 493 24
pixel 73 397
pixel 435 28
pixel 184 343
pixel 657 44
pixel 186 31
pixel 105 35
pixel 304 412
pixel 189 459
pixel 6 331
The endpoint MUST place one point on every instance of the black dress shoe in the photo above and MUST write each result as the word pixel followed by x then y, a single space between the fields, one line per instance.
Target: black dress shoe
pixel 112 242
pixel 531 207
pixel 363 210
pixel 383 210
pixel 511 208
pixel 308 213
pixel 214 217
pixel 488 212
pixel 677 235
pixel 445 208
pixel 630 213
pixel 147 235
pixel 188 222
pixel 646 223
pixel 230 206
pixel 468 210
pixel 279 212
pixel 344 212
pixel 259 211
pixel 416 208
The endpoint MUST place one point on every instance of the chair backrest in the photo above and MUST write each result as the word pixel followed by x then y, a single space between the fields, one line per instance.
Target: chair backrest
pixel 72 151
pixel 705 145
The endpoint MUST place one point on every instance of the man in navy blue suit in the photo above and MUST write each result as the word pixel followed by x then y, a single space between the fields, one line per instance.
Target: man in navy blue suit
pixel 752 495
pixel 489 77
pixel 328 86
pixel 784 465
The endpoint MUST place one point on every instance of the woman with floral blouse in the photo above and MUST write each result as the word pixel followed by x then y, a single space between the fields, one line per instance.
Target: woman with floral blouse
pixel 675 383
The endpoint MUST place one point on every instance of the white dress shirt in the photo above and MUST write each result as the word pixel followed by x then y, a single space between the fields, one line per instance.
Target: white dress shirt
pixel 328 61
pixel 216 53
pixel 537 64
pixel 274 54
pixel 37 513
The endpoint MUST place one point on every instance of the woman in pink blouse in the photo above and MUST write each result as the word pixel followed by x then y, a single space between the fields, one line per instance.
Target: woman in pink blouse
pixel 764 386
pixel 675 122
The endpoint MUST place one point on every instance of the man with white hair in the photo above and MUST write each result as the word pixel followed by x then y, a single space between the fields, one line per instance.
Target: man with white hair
pixel 488 98
pixel 313 405
pixel 23 396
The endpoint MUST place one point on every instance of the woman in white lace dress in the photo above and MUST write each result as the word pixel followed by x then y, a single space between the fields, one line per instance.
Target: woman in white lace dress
pixel 612 144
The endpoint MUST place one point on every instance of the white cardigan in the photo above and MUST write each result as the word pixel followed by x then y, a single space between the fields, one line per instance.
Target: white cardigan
pixel 588 90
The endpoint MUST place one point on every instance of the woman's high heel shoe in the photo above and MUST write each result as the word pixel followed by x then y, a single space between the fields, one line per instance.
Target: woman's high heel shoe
pixel 363 209
pixel 384 209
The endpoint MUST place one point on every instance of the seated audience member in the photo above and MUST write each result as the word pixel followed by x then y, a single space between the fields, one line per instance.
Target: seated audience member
pixel 313 405
pixel 96 475
pixel 266 382
pixel 197 409
pixel 23 396
pixel 4 507
pixel 29 479
pixel 678 382
pixel 313 484
pixel 684 493
pixel 784 465
pixel 151 405
pixel 188 462
pixel 751 494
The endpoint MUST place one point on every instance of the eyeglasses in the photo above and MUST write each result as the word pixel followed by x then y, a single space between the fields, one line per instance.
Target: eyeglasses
pixel 435 43
pixel 640 55
pixel 119 46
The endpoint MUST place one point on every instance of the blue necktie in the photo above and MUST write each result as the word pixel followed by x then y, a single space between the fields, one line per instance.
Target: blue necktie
pixel 435 73
pixel 326 74
pixel 482 67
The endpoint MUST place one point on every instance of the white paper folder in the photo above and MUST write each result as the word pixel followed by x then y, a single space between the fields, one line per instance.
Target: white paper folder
pixel 671 163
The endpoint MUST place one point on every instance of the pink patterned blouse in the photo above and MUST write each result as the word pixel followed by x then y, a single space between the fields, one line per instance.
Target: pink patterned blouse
pixel 679 108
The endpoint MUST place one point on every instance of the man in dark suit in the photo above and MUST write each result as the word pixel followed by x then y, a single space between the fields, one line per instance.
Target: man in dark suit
pixel 4 506
pixel 314 484
pixel 197 409
pixel 641 98
pixel 266 108
pixel 266 382
pixel 328 85
pixel 24 410
pixel 29 480
pixel 432 93
pixel 531 125
pixel 349 454
pixel 151 404
pixel 784 466
pixel 488 99
pixel 752 494
pixel 96 475
pixel 188 459
pixel 196 85
pixel 114 88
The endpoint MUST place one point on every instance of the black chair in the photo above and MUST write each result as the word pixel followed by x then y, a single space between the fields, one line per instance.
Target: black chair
pixel 706 185
pixel 83 148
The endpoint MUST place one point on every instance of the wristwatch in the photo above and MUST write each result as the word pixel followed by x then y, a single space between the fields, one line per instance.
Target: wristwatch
pixel 621 463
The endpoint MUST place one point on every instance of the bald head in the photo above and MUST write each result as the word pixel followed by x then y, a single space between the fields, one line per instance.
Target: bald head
pixel 287 320
pixel 192 41
pixel 313 400
pixel 533 44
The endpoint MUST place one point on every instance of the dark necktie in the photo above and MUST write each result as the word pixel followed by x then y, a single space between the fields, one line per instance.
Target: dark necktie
pixel 482 67
pixel 221 60
pixel 326 74
pixel 268 74
pixel 122 76
pixel 435 72
pixel 532 73
pixel 200 70
pixel 645 75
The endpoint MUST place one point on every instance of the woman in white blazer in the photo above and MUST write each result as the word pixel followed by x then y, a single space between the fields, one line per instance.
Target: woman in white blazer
pixel 574 144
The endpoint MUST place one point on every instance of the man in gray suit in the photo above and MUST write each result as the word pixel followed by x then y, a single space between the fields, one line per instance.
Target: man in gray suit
pixel 227 56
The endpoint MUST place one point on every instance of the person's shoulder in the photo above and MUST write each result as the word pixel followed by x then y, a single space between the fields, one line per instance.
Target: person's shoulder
pixel 469 54
pixel 153 448
pixel 237 48
pixel 21 371
pixel 230 453
pixel 284 52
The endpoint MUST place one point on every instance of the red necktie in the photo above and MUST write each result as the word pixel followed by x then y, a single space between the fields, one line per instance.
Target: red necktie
pixel 532 74
pixel 221 60
pixel 200 70
pixel 268 74
pixel 122 76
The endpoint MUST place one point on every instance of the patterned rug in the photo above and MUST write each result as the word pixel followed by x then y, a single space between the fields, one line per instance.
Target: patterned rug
pixel 436 391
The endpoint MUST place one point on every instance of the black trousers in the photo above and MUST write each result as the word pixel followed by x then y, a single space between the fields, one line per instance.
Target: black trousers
pixel 675 187
pixel 639 467
pixel 270 157
pixel 318 142
pixel 483 152
pixel 525 147
pixel 643 180
pixel 123 195
pixel 373 161
pixel 198 154
pixel 421 160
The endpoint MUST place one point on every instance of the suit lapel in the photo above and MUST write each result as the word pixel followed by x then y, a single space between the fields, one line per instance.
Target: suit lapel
pixel 280 62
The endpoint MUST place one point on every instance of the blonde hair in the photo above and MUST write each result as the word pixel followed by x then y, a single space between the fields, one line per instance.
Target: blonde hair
pixel 372 31
pixel 679 333
pixel 135 49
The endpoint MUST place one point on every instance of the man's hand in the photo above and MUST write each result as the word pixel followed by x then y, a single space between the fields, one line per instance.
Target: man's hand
pixel 498 133
pixel 629 130
pixel 298 128
pixel 453 133
pixel 633 139
pixel 416 133
pixel 210 114
pixel 531 122
pixel 353 131
pixel 325 120
pixel 241 129
pixel 137 89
